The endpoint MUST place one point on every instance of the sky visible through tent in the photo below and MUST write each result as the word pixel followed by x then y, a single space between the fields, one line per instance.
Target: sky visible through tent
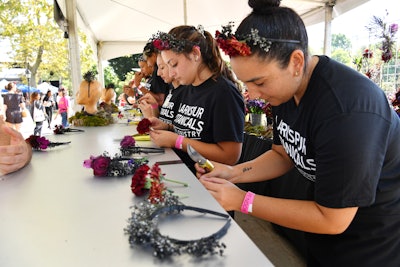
pixel 353 24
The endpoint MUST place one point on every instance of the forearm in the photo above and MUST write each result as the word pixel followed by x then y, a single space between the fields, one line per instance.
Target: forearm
pixel 223 152
pixel 272 164
pixel 302 215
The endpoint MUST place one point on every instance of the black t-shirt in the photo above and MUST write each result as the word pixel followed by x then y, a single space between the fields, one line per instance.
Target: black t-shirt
pixel 171 103
pixel 211 112
pixel 343 136
pixel 157 84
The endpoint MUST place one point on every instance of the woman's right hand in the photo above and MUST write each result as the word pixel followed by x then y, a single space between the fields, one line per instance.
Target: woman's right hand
pixel 220 170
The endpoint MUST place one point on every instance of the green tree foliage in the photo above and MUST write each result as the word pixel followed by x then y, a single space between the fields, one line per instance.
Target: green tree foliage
pixel 36 40
pixel 123 65
pixel 341 41
pixel 342 55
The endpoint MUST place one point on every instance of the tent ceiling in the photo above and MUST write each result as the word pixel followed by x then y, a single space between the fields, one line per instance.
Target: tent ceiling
pixel 121 27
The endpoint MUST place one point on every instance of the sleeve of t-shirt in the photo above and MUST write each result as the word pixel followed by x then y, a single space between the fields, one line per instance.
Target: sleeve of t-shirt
pixel 229 115
pixel 350 151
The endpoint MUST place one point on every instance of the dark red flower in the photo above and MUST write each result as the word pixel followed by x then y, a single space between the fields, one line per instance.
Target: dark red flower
pixel 100 165
pixel 161 44
pixel 368 53
pixel 139 180
pixel 231 46
pixel 143 126
pixel 38 142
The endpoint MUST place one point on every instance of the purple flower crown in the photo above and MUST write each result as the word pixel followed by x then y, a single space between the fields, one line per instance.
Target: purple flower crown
pixel 234 45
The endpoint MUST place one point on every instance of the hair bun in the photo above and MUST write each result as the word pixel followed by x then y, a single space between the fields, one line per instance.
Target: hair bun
pixel 261 5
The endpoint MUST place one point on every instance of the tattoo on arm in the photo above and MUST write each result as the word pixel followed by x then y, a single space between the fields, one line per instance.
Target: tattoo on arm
pixel 246 169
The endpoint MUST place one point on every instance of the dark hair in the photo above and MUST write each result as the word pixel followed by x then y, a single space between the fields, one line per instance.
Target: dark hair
pixel 110 86
pixel 208 47
pixel 148 50
pixel 9 86
pixel 273 21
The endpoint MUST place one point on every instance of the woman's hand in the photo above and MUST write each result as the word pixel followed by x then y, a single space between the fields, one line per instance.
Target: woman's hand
pixel 148 110
pixel 228 195
pixel 157 124
pixel 163 138
pixel 220 170
pixel 16 155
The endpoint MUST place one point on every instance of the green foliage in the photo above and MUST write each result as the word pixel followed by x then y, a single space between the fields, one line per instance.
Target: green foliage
pixel 37 42
pixel 101 118
pixel 124 65
pixel 342 55
pixel 340 41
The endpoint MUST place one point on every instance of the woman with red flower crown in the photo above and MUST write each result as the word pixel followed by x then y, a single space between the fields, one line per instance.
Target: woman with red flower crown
pixel 331 123
pixel 210 112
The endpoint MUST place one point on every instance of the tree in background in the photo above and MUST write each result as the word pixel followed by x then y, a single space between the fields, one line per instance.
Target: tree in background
pixel 37 42
pixel 123 65
pixel 341 48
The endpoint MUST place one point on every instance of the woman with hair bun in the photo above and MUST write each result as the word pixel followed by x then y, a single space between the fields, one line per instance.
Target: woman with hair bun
pixel 210 111
pixel 331 123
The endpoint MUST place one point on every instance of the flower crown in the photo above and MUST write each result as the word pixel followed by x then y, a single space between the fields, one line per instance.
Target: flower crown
pixel 165 41
pixel 128 147
pixel 104 165
pixel 235 45
pixel 142 226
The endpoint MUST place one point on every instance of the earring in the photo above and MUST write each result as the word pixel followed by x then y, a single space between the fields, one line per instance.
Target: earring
pixel 196 58
pixel 296 73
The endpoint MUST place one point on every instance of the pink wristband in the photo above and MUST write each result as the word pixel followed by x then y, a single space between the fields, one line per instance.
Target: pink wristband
pixel 178 142
pixel 247 204
pixel 154 106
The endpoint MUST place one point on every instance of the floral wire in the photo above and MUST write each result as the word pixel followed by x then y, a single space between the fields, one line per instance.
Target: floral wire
pixel 59 129
pixel 142 230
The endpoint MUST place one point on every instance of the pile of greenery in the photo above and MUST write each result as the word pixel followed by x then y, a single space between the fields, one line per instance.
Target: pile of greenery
pixel 101 118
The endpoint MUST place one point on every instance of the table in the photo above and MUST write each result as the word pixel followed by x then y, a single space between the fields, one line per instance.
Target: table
pixel 54 212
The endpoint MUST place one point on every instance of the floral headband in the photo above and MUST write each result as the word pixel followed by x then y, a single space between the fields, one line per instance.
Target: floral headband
pixel 165 41
pixel 234 45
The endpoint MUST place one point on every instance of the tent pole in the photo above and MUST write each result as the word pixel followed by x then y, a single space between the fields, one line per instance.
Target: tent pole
pixel 184 12
pixel 73 41
pixel 328 27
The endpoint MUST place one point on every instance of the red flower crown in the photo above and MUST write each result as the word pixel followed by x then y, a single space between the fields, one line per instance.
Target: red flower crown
pixel 234 45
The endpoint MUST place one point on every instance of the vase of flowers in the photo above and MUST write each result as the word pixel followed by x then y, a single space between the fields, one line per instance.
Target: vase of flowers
pixel 256 108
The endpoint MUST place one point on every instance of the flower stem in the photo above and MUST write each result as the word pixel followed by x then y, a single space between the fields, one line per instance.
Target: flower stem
pixel 177 182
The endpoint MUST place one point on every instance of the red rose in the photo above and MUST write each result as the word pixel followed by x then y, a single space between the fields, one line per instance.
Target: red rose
pixel 100 165
pixel 143 126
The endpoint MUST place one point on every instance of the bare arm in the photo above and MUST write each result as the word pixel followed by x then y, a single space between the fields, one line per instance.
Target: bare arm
pixel 296 214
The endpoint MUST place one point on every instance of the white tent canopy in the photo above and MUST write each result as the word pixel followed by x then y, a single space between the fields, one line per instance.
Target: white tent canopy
pixel 45 86
pixel 122 27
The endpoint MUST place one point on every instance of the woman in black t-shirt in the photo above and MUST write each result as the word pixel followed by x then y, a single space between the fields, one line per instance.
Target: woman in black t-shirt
pixel 331 123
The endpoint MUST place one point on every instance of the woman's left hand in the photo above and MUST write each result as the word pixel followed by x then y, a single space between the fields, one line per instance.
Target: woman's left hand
pixel 163 138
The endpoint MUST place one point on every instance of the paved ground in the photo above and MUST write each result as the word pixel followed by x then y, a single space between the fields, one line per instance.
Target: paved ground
pixel 28 126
